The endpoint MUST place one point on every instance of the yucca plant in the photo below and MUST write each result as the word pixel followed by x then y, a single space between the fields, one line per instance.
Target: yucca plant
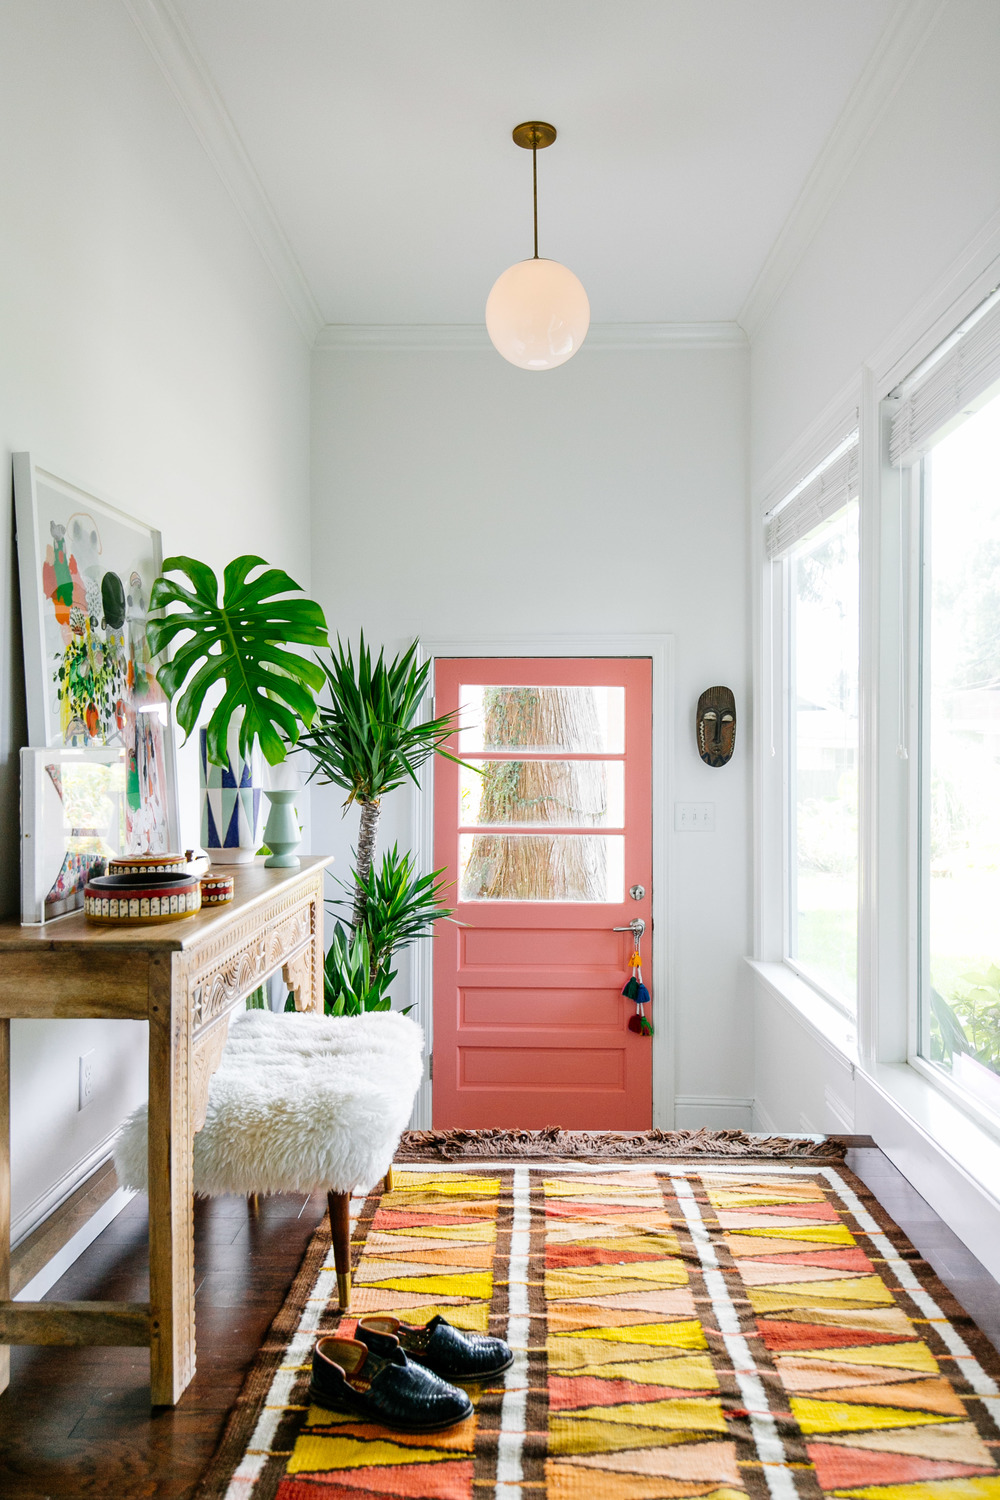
pixel 401 905
pixel 369 739
pixel 350 986
pixel 240 641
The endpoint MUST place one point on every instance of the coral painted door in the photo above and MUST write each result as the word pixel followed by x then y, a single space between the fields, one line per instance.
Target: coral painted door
pixel 542 842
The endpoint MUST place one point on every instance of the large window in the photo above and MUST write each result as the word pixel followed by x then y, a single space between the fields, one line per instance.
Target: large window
pixel 823 756
pixel 812 535
pixel 960 754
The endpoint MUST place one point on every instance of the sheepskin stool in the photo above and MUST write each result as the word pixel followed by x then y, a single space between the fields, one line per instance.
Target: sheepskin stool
pixel 300 1103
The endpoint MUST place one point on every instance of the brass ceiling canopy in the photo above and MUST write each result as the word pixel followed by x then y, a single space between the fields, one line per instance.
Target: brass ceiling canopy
pixel 534 135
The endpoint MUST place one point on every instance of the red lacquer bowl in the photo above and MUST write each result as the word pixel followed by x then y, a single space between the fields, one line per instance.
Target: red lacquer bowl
pixel 118 900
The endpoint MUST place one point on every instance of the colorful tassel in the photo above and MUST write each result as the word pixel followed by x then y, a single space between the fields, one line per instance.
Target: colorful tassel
pixel 634 989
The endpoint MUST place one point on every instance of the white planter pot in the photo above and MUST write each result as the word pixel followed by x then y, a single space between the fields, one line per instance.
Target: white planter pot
pixel 231 802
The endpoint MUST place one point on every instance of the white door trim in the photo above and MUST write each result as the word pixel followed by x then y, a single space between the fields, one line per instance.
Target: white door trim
pixel 660 651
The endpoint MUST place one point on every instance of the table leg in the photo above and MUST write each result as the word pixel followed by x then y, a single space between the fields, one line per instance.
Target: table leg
pixel 303 974
pixel 318 952
pixel 171 1217
pixel 4 1188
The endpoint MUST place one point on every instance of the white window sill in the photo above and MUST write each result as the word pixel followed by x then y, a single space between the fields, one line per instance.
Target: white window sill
pixel 828 1024
pixel 916 1123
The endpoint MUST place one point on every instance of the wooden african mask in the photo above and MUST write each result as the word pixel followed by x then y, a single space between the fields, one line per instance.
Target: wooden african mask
pixel 716 725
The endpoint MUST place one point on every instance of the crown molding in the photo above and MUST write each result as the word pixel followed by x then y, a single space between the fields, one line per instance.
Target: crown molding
pixel 619 337
pixel 898 48
pixel 167 39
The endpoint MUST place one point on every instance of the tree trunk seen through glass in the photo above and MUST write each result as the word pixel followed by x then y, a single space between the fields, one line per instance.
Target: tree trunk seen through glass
pixel 525 792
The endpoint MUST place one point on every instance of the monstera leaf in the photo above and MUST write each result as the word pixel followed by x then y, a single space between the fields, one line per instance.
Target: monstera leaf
pixel 240 643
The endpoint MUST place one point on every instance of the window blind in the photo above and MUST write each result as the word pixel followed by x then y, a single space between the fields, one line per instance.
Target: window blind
pixel 947 386
pixel 820 497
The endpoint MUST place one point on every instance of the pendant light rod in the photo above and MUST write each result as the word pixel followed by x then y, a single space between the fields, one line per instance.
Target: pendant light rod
pixel 534 136
pixel 534 191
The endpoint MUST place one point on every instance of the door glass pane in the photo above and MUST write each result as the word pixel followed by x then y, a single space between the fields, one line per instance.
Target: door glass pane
pixel 960 839
pixel 540 867
pixel 579 719
pixel 823 785
pixel 569 793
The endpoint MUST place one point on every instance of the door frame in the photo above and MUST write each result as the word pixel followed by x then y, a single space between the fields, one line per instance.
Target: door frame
pixel 659 650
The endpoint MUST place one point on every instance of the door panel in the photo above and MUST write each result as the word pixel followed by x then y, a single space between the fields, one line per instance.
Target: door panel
pixel 542 842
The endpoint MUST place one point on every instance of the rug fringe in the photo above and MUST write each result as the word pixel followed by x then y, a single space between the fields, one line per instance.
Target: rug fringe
pixel 436 1145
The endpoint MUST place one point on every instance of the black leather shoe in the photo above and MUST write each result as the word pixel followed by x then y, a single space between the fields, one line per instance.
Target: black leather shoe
pixel 446 1350
pixel 383 1387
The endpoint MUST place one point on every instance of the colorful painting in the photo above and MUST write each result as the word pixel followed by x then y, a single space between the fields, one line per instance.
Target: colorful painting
pixel 86 572
pixel 72 823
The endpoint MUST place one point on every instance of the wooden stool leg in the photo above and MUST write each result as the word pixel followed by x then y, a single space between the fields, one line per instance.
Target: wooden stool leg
pixel 340 1230
pixel 387 1186
pixel 253 1203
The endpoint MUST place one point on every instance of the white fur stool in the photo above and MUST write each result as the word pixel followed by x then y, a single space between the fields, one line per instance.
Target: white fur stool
pixel 299 1103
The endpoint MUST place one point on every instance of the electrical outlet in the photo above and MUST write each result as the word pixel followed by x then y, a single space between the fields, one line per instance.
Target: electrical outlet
pixel 694 817
pixel 86 1078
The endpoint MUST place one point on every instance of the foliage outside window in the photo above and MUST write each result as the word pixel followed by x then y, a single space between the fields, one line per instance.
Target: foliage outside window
pixel 960 760
pixel 823 639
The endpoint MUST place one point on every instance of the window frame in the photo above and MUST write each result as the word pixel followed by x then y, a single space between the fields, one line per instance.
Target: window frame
pixel 918 685
pixel 803 971
pixel 882 1046
pixel 775 745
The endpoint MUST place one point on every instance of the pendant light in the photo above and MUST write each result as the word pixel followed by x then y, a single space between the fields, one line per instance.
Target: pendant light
pixel 537 313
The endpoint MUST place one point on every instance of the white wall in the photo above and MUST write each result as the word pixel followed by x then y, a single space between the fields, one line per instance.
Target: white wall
pixel 146 352
pixel 926 182
pixel 914 223
pixel 455 496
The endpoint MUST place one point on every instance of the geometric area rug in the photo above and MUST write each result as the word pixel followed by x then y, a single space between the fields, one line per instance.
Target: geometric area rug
pixel 686 1328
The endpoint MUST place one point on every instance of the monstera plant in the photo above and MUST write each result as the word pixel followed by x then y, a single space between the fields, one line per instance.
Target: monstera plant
pixel 240 641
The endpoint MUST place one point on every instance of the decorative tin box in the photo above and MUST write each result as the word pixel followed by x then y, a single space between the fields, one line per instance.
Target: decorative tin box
pixel 150 864
pixel 216 889
pixel 117 900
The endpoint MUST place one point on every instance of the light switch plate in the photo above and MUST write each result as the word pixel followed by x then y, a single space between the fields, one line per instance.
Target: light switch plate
pixel 694 817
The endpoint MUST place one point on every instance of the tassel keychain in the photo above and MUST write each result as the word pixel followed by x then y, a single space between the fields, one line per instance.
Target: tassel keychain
pixel 634 989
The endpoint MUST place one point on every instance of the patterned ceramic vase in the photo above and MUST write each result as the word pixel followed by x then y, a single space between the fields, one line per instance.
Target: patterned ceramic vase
pixel 231 803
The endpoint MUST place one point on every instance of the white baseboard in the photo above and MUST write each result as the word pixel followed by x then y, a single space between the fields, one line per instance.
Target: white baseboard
pixel 35 1289
pixel 47 1202
pixel 762 1122
pixel 713 1111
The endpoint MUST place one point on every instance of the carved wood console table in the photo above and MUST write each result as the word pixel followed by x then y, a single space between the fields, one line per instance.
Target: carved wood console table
pixel 185 979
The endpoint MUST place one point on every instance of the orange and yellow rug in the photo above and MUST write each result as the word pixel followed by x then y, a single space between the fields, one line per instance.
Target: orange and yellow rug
pixel 718 1330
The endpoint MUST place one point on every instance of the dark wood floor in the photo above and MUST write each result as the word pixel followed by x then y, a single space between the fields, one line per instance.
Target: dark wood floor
pixel 76 1423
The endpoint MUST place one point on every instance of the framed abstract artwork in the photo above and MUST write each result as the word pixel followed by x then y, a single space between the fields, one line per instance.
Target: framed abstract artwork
pixel 86 570
pixel 72 821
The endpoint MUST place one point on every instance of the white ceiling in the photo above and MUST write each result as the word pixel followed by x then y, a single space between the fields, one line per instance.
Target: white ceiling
pixel 380 132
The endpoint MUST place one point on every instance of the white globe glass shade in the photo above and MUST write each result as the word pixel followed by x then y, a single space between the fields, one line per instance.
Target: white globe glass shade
pixel 537 314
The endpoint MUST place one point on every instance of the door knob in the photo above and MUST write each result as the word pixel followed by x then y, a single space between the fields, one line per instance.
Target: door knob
pixel 637 926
